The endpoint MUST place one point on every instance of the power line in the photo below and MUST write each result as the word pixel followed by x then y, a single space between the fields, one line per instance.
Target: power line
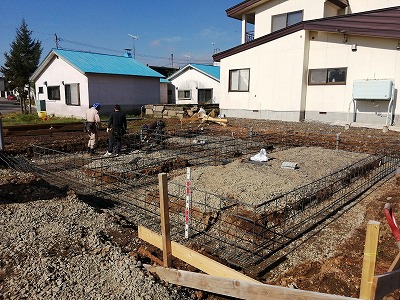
pixel 58 44
pixel 161 58
pixel 90 46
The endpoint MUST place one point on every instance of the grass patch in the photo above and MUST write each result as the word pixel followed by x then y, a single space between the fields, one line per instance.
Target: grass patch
pixel 19 118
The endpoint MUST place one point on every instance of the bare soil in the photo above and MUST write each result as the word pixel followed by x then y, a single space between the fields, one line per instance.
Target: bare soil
pixel 337 273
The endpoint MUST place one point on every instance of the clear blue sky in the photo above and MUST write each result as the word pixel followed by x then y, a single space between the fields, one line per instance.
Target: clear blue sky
pixel 191 30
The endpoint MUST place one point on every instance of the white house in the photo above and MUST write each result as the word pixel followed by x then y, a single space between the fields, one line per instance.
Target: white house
pixel 324 60
pixel 195 84
pixel 68 82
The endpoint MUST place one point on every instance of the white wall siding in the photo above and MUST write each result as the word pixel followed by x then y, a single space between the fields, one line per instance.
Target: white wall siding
pixel 365 5
pixel 54 74
pixel 311 10
pixel 330 10
pixel 375 58
pixel 279 78
pixel 276 83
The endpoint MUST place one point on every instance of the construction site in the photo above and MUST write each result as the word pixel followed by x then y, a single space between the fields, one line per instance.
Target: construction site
pixel 246 213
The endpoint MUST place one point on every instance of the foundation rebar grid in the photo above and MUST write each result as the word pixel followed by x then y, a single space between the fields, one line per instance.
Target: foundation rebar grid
pixel 248 237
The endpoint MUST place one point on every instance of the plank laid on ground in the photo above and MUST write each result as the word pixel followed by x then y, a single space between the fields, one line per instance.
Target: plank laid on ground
pixel 236 288
pixel 193 258
pixel 211 119
pixel 369 260
pixel 385 284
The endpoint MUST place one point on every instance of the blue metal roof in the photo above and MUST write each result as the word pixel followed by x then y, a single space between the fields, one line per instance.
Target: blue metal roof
pixel 211 70
pixel 98 63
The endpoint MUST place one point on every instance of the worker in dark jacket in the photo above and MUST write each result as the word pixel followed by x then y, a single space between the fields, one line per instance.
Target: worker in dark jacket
pixel 116 128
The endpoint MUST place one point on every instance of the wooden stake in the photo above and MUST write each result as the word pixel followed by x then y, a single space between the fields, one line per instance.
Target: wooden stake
pixel 165 224
pixel 368 270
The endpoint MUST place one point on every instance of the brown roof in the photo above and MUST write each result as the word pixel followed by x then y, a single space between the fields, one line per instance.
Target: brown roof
pixel 376 23
pixel 237 10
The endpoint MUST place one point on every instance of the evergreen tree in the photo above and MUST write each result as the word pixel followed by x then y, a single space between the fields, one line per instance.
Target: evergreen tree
pixel 21 62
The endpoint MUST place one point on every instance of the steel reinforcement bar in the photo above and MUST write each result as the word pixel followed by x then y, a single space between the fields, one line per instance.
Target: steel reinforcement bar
pixel 241 234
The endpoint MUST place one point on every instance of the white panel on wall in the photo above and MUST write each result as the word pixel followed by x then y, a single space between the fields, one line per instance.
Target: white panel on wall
pixel 372 89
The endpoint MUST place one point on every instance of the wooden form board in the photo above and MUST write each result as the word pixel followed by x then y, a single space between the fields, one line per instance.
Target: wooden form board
pixel 236 288
pixel 385 284
pixel 226 281
pixel 193 258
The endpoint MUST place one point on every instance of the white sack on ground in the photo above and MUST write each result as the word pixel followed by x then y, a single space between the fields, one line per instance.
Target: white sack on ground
pixel 261 156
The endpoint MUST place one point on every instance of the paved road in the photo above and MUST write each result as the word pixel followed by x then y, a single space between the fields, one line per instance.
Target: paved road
pixel 7 106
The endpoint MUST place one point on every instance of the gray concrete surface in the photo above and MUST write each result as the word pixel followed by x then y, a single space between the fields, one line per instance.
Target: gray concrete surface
pixel 7 106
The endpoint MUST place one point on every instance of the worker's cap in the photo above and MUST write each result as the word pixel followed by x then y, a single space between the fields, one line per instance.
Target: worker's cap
pixel 97 105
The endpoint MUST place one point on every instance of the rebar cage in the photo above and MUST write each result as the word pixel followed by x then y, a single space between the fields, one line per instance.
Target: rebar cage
pixel 245 236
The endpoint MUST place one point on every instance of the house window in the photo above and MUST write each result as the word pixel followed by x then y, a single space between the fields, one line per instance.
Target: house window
pixel 53 92
pixel 239 80
pixel 327 76
pixel 204 95
pixel 184 94
pixel 40 90
pixel 72 94
pixel 285 20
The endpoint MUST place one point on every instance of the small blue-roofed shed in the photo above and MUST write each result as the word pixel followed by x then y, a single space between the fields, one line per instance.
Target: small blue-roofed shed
pixel 68 82
pixel 196 84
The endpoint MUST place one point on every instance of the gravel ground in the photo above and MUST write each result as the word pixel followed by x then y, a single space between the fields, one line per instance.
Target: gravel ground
pixel 254 183
pixel 60 249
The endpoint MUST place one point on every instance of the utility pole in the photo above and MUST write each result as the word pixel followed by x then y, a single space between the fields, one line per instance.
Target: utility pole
pixel 172 60
pixel 134 37
pixel 56 40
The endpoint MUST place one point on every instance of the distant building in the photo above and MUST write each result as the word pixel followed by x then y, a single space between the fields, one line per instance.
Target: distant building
pixel 165 71
pixel 69 82
pixel 195 84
